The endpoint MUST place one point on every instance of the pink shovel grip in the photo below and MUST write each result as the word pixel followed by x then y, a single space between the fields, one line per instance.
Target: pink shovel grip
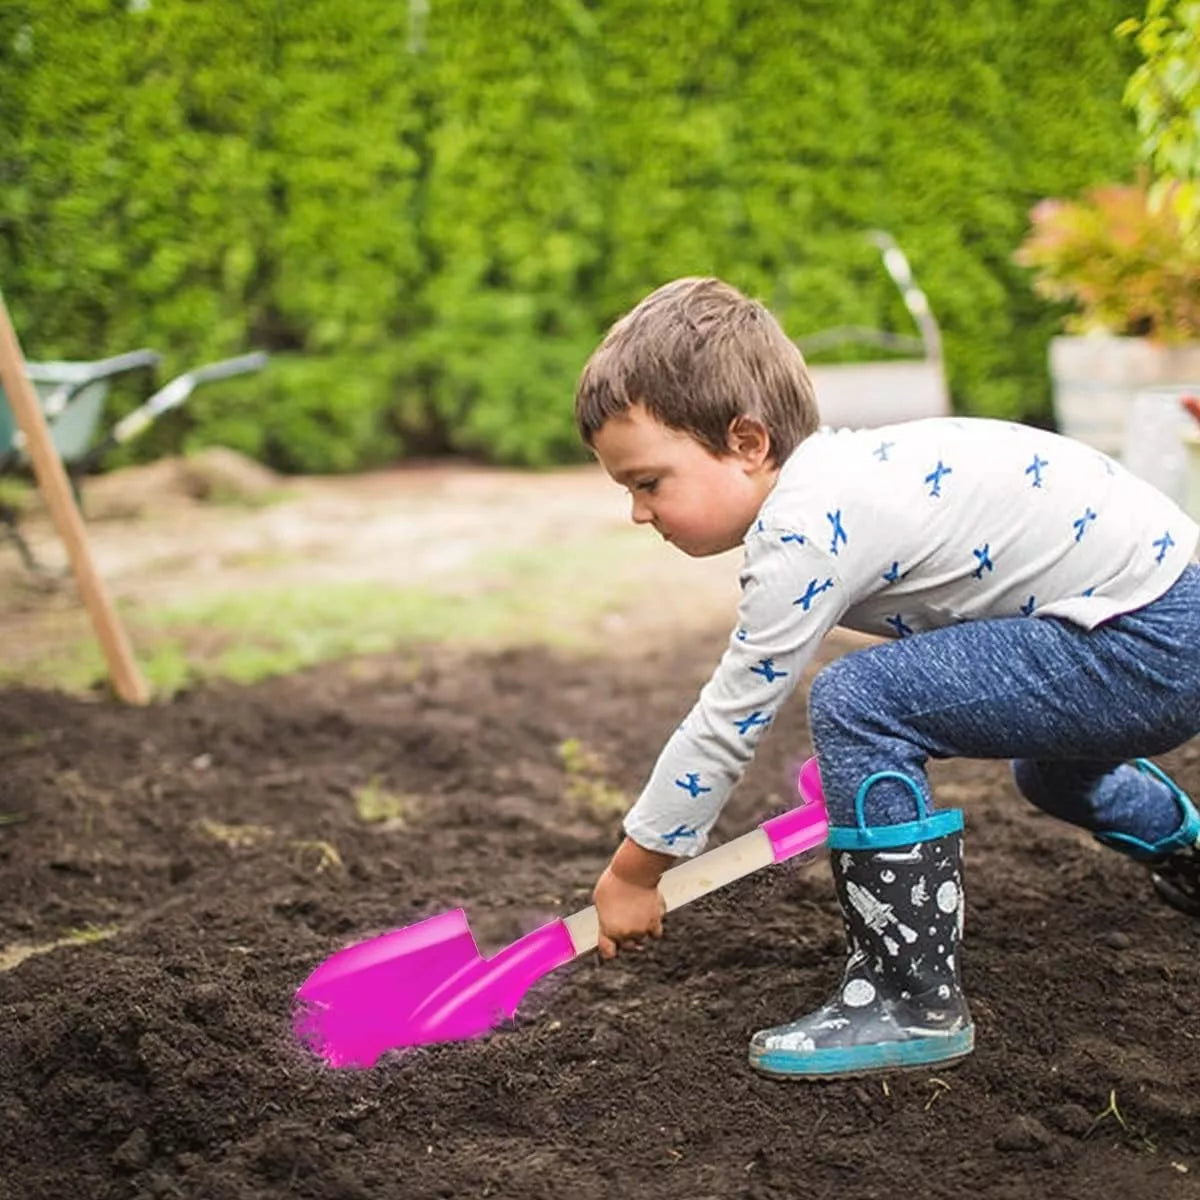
pixel 801 829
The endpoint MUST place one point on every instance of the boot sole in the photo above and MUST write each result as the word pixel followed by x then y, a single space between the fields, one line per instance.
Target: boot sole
pixel 1177 898
pixel 854 1061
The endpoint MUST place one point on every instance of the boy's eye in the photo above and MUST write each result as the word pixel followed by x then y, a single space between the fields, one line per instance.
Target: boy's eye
pixel 645 485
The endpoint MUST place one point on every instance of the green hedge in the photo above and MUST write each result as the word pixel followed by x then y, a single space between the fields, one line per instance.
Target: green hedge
pixel 430 211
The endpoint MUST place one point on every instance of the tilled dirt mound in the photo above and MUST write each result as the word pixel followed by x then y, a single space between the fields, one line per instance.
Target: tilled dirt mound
pixel 199 859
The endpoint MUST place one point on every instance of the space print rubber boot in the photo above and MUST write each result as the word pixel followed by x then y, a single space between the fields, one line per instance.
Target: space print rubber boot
pixel 900 1003
pixel 1173 861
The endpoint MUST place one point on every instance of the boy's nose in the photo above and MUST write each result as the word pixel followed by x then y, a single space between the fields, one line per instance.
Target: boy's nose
pixel 641 513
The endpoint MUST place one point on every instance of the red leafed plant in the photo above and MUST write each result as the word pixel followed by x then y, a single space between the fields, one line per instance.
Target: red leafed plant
pixel 1192 405
pixel 1122 258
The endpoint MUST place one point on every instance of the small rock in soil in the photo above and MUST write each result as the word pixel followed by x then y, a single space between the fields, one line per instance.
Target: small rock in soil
pixel 133 1153
pixel 1071 1119
pixel 1023 1133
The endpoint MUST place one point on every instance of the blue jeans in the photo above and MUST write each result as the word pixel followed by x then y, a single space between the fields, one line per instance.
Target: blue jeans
pixel 1070 705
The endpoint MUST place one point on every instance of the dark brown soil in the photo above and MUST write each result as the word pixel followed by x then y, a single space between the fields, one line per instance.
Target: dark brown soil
pixel 220 834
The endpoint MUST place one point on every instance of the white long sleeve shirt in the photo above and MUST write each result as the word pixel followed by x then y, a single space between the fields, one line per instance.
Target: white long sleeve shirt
pixel 897 530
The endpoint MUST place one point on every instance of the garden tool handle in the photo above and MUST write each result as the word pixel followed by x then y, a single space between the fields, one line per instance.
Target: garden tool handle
pixel 243 364
pixel 775 840
pixel 173 394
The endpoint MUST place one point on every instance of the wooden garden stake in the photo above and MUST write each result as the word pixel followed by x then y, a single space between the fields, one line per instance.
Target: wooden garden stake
pixel 60 500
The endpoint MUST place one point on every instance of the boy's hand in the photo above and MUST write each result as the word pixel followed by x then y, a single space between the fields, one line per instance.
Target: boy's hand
pixel 628 912
pixel 627 900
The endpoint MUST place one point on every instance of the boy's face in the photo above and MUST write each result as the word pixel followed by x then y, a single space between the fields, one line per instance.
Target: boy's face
pixel 699 502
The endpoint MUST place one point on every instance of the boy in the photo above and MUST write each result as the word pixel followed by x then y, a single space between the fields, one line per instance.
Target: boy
pixel 1043 606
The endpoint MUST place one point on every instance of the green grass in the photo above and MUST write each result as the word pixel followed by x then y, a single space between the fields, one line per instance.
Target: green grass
pixel 547 596
pixel 587 782
pixel 374 804
pixel 16 953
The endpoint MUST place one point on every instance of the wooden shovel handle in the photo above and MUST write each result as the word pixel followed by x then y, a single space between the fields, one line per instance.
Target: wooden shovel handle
pixel 52 479
pixel 689 881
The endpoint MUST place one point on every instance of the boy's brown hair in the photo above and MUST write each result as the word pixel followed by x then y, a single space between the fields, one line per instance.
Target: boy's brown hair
pixel 697 354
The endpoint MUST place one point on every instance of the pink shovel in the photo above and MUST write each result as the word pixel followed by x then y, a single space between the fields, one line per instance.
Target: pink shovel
pixel 428 982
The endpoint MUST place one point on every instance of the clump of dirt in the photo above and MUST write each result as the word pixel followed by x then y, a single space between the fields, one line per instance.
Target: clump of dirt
pixel 214 474
pixel 201 858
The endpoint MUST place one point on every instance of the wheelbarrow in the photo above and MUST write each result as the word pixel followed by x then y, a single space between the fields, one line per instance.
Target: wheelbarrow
pixel 72 396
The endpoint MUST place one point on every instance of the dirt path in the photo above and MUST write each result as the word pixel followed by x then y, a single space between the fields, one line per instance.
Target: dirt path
pixel 431 526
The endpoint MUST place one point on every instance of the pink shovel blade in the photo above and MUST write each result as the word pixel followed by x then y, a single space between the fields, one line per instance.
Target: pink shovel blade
pixel 359 1002
pixel 486 993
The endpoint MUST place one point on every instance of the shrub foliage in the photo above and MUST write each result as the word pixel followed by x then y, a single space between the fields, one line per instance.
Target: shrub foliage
pixel 429 211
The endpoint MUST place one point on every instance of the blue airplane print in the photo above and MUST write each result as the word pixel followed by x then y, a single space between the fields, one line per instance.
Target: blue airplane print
pixel 1083 522
pixel 1162 545
pixel 748 723
pixel 839 533
pixel 768 670
pixel 813 591
pixel 934 478
pixel 680 831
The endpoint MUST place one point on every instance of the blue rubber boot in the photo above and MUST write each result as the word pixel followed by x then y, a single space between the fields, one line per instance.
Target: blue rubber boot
pixel 900 1003
pixel 1173 861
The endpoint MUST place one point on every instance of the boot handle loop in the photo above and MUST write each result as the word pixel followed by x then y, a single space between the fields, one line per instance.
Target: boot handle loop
pixel 861 799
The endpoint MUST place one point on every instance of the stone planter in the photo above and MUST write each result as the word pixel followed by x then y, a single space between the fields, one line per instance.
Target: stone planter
pixel 1155 437
pixel 1096 377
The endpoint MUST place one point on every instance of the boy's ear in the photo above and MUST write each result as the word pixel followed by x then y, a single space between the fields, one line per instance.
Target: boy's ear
pixel 749 440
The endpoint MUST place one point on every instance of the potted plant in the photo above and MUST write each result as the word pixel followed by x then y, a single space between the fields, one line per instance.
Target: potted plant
pixel 1128 256
pixel 1124 257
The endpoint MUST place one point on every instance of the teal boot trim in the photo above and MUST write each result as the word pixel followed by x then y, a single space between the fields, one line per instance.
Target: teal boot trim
pixel 860 836
pixel 1173 861
pixel 1185 837
pixel 839 1063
